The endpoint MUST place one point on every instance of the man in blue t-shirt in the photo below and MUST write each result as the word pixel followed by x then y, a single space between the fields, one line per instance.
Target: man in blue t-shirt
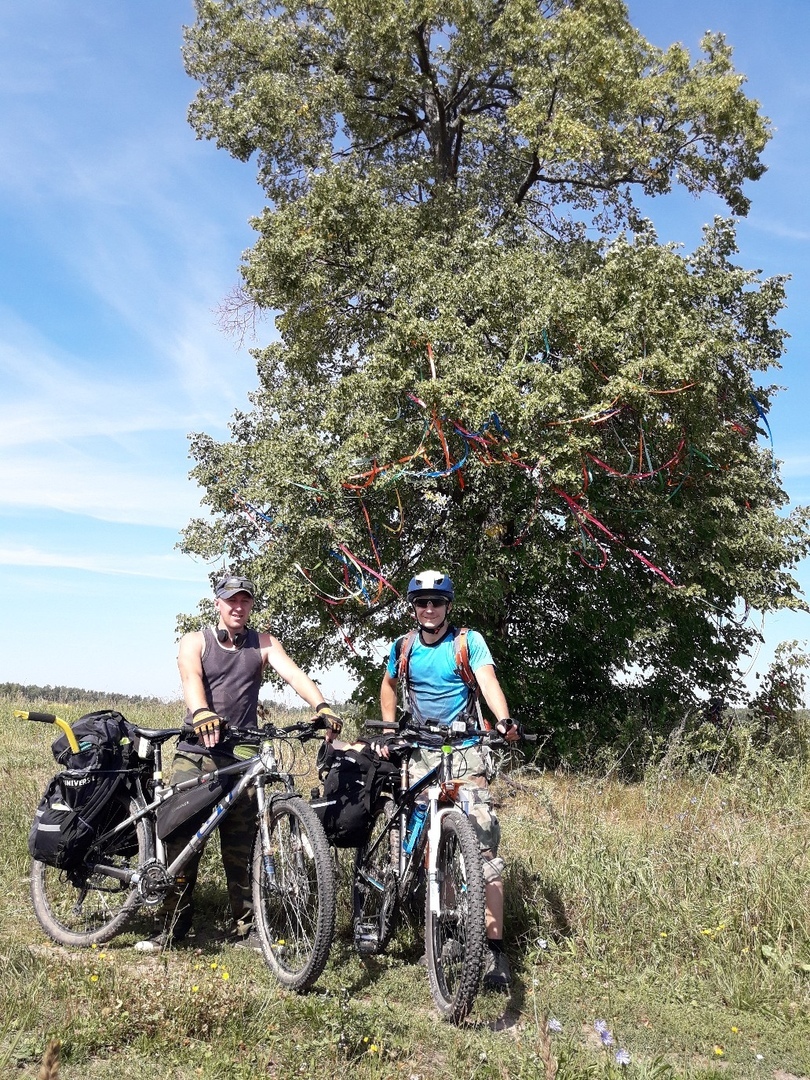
pixel 436 695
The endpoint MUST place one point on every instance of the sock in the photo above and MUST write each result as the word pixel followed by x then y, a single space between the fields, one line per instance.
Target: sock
pixel 495 945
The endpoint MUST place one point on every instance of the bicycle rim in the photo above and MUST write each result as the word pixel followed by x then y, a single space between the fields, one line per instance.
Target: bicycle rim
pixel 79 908
pixel 455 928
pixel 294 894
pixel 375 889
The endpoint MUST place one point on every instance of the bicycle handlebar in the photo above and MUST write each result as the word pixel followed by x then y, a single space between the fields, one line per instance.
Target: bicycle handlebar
pixel 51 718
pixel 411 735
pixel 304 730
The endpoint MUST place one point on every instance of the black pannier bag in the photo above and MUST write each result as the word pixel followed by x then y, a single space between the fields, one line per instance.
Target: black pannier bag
pixel 353 785
pixel 90 796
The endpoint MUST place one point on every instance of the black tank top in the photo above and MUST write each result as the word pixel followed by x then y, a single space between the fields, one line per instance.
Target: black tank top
pixel 232 679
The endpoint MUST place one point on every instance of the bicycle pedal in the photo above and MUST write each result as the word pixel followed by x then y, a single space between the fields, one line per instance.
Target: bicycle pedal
pixel 366 940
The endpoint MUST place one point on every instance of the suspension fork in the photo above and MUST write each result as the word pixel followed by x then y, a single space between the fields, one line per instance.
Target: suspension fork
pixel 268 862
pixel 435 816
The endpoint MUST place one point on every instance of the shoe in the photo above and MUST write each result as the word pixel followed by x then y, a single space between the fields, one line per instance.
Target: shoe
pixel 174 931
pixel 497 973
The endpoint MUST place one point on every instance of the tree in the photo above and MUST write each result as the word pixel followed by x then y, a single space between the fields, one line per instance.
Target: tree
pixel 485 361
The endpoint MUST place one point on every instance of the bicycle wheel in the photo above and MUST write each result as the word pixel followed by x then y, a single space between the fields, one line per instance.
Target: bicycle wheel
pixel 294 893
pixel 374 888
pixel 81 908
pixel 455 919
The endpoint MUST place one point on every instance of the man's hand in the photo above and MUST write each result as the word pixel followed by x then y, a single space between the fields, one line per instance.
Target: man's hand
pixel 510 730
pixel 382 743
pixel 206 726
pixel 334 723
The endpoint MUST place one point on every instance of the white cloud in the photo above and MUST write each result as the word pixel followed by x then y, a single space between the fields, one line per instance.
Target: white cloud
pixel 69 480
pixel 173 567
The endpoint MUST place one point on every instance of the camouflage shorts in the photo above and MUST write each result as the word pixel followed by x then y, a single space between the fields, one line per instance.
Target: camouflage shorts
pixel 473 797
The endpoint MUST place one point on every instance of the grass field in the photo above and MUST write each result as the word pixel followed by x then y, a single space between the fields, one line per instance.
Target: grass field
pixel 664 921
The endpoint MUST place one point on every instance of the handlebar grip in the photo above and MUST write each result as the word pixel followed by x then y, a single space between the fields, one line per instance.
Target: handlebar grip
pixel 40 717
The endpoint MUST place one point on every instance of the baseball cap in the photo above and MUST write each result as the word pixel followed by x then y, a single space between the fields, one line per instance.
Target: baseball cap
pixel 230 585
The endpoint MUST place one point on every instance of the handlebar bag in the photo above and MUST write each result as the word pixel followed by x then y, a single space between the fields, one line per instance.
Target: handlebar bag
pixel 353 784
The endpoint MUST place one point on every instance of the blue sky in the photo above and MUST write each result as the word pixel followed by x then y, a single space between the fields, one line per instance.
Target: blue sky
pixel 120 234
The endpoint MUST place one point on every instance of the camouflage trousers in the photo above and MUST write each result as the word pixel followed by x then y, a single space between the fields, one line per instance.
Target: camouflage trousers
pixel 471 768
pixel 236 834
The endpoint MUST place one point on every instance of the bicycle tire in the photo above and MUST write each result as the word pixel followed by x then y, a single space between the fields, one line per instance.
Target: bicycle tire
pixel 294 893
pixel 79 908
pixel 374 890
pixel 454 935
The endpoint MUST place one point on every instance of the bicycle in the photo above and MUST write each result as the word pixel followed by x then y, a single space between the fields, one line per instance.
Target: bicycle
pixel 126 869
pixel 408 835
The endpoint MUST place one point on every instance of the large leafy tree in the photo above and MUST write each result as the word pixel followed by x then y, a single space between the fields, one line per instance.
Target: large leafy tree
pixel 485 362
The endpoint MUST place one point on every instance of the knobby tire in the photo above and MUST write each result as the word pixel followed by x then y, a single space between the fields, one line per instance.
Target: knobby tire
pixel 375 887
pixel 455 933
pixel 79 908
pixel 294 893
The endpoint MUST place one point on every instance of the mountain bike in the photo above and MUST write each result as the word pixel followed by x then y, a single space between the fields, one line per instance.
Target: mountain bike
pixel 422 836
pixel 126 869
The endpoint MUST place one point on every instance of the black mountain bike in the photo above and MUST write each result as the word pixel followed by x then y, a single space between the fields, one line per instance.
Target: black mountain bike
pixel 126 869
pixel 422 836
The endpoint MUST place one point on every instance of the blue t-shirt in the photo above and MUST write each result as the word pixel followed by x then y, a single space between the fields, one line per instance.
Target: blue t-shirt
pixel 438 693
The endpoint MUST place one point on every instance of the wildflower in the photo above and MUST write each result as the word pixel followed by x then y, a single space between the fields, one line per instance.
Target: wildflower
pixel 374 1049
pixel 707 932
pixel 664 933
pixel 225 975
pixel 734 1029
pixel 604 1033
pixel 718 1051
pixel 542 943
pixel 195 989
pixel 554 1025
pixel 622 1057
pixel 214 965
pixel 94 977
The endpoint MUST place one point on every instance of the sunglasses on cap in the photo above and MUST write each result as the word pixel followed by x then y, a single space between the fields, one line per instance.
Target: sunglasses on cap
pixel 436 602
pixel 229 586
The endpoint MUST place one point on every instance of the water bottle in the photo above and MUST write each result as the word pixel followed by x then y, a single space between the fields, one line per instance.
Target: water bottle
pixel 417 820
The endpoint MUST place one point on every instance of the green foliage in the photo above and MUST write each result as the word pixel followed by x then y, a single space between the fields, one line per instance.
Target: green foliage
pixel 70 695
pixel 451 246
pixel 775 709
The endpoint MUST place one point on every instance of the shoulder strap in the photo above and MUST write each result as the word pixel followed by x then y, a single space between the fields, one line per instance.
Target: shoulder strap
pixel 463 669
pixel 466 673
pixel 404 648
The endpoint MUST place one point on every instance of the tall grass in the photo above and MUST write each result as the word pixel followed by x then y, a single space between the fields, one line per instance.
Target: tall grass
pixel 667 919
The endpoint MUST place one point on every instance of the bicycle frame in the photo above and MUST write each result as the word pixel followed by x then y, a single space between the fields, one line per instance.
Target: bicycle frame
pixel 257 771
pixel 434 784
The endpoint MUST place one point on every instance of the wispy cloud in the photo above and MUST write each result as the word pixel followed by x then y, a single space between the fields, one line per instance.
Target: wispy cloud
pixel 162 567
pixel 83 482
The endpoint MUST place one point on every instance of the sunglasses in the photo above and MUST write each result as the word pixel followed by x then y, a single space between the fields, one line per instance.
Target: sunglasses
pixel 432 603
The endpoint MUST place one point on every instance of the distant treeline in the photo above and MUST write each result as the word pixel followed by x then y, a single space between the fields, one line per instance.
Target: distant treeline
pixel 72 695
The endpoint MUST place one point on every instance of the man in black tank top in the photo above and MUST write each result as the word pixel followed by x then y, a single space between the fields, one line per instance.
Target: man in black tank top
pixel 221 669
